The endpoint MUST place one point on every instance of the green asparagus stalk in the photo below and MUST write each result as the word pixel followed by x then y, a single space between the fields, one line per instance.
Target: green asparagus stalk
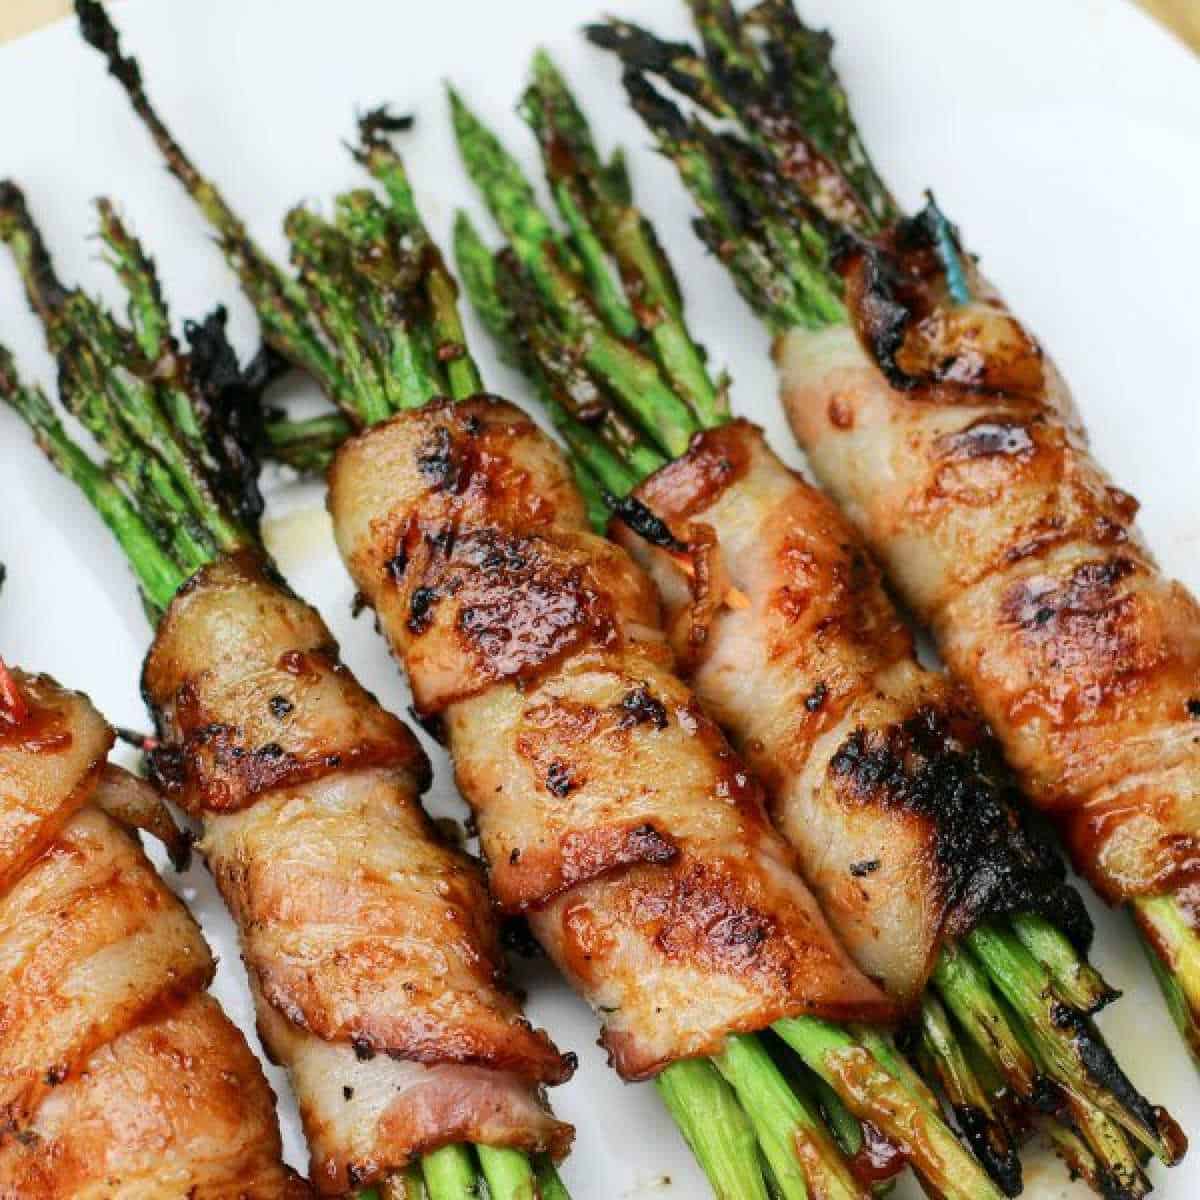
pixel 794 1140
pixel 158 574
pixel 595 201
pixel 1173 947
pixel 653 405
pixel 450 1174
pixel 287 324
pixel 974 1109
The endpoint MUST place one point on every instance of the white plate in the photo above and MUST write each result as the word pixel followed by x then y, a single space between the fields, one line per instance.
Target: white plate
pixel 1064 137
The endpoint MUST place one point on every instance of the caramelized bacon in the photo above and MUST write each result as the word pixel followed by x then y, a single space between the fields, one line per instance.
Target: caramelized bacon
pixel 118 1074
pixel 977 490
pixel 610 809
pixel 371 945
pixel 880 775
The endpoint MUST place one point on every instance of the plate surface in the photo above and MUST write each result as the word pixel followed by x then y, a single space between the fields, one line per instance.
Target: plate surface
pixel 1064 138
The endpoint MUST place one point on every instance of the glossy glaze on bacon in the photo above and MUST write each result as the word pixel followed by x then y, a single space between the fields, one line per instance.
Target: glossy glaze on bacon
pixel 119 1076
pixel 949 439
pixel 879 772
pixel 371 946
pixel 610 809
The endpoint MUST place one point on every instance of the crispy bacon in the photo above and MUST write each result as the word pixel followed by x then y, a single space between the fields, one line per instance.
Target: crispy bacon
pixel 880 774
pixel 117 1073
pixel 370 943
pixel 610 809
pixel 976 488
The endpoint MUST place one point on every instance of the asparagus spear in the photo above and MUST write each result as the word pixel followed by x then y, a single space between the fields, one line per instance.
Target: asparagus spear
pixel 1023 996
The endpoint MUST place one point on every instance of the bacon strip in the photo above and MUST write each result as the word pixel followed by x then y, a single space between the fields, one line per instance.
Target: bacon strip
pixel 610 809
pixel 118 1074
pixel 975 486
pixel 879 772
pixel 371 946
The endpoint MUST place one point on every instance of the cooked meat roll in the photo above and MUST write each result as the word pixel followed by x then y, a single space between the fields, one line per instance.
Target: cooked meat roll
pixel 370 943
pixel 611 811
pixel 967 470
pixel 119 1075
pixel 880 773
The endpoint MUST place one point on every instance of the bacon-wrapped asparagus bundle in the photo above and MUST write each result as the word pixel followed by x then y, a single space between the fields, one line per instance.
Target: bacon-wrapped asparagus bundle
pixel 947 436
pixel 612 812
pixel 371 946
pixel 881 773
pixel 119 1074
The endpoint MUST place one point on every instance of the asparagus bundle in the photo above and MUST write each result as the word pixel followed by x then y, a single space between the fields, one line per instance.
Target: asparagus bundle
pixel 118 1072
pixel 612 812
pixel 1029 569
pixel 372 950
pixel 882 775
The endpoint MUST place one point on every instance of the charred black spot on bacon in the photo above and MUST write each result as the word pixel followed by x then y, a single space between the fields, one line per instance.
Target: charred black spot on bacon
pixel 397 565
pixel 559 779
pixel 280 706
pixel 648 525
pixel 165 768
pixel 987 438
pixel 861 869
pixel 438 463
pixel 651 846
pixel 934 766
pixel 1090 589
pixel 882 314
pixel 1193 708
pixel 420 609
pixel 517 937
pixel 433 725
pixel 363 1050
pixel 347 1092
pixel 180 851
pixel 815 700
pixel 642 707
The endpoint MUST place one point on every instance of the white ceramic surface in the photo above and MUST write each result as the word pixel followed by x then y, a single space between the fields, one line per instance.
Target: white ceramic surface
pixel 1064 137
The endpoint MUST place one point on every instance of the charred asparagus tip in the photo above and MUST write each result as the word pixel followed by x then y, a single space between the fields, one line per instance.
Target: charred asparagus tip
pixel 1070 1048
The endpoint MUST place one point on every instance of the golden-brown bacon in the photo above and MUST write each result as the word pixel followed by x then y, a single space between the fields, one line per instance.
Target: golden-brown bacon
pixel 971 478
pixel 878 771
pixel 610 809
pixel 118 1075
pixel 371 946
